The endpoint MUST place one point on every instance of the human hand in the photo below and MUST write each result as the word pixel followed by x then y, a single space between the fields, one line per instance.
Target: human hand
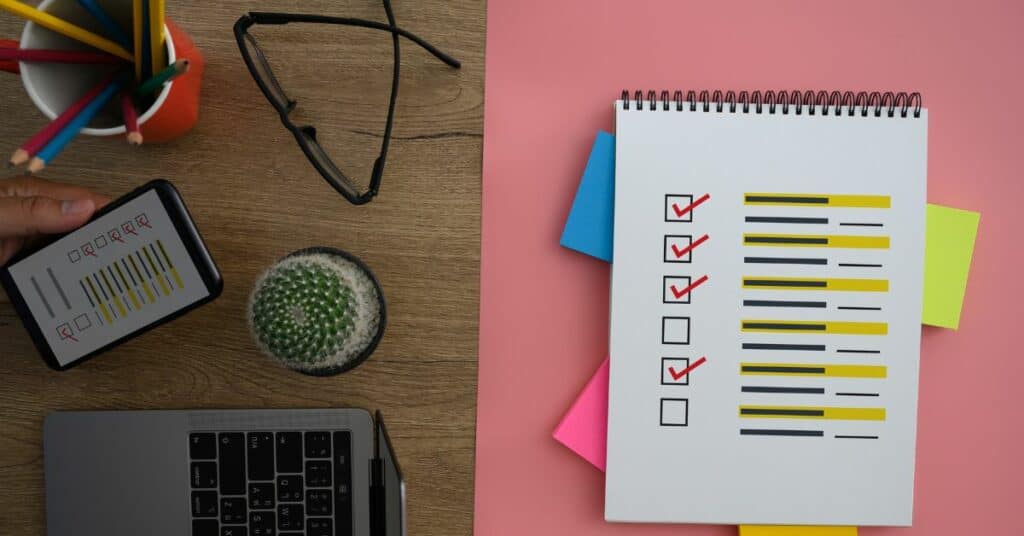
pixel 30 207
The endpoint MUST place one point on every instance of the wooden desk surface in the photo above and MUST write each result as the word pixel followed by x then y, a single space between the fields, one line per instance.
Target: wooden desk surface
pixel 255 198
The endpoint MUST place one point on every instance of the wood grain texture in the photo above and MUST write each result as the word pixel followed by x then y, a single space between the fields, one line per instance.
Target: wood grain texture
pixel 255 199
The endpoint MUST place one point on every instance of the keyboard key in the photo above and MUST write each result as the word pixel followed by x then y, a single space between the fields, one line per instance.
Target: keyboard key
pixel 204 475
pixel 289 517
pixel 204 504
pixel 343 481
pixel 261 496
pixel 289 488
pixel 318 444
pixel 233 511
pixel 318 473
pixel 204 527
pixel 289 452
pixel 231 451
pixel 202 446
pixel 234 531
pixel 262 524
pixel 318 502
pixel 261 455
pixel 319 527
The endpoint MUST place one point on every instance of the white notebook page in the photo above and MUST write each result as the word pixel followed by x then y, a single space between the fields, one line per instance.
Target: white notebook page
pixel 780 258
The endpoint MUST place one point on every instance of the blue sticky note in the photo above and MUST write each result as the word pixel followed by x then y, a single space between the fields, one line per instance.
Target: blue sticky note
pixel 589 227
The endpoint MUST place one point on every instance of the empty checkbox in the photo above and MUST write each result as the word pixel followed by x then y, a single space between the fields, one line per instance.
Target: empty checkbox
pixel 675 411
pixel 675 330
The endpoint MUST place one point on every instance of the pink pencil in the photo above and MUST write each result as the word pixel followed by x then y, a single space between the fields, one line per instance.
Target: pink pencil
pixel 37 142
pixel 58 56
pixel 131 118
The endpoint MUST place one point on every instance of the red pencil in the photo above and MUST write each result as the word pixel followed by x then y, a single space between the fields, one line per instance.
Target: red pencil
pixel 58 56
pixel 10 67
pixel 131 118
pixel 8 43
pixel 37 142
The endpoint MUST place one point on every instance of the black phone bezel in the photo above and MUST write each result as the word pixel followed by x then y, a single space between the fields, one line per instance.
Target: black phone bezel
pixel 183 225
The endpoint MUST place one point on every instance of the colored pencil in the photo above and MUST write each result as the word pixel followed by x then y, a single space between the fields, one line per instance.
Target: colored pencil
pixel 10 67
pixel 59 56
pixel 137 36
pixel 157 8
pixel 65 28
pixel 147 56
pixel 131 118
pixel 37 142
pixel 9 43
pixel 112 27
pixel 159 79
pixel 68 133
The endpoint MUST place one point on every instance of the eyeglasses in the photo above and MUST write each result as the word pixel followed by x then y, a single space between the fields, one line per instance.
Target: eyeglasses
pixel 305 135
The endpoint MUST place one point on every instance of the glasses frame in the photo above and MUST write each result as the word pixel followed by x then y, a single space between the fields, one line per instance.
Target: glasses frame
pixel 305 135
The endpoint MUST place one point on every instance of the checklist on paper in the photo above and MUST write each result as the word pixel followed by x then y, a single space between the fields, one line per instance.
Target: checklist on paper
pixel 765 316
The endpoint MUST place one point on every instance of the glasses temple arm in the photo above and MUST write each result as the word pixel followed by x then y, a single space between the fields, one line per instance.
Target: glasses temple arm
pixel 284 18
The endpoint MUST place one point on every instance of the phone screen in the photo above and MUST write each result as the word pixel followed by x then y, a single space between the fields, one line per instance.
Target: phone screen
pixel 104 281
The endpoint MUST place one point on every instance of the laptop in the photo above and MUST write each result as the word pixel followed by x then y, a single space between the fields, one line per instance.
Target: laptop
pixel 324 472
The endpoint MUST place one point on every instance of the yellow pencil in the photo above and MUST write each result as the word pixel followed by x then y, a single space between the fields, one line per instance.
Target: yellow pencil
pixel 137 37
pixel 156 34
pixel 63 27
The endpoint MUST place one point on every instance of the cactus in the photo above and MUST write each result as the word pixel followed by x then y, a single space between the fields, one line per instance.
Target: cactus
pixel 318 311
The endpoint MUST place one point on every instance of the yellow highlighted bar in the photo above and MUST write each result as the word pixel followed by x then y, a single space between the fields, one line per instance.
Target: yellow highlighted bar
pixel 117 301
pixel 817 200
pixel 812 370
pixel 142 282
pixel 156 274
pixel 106 313
pixel 806 283
pixel 177 278
pixel 103 308
pixel 131 293
pixel 800 326
pixel 812 412
pixel 815 241
pixel 167 259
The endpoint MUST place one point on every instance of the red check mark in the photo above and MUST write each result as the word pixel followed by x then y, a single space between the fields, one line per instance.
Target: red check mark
pixel 680 252
pixel 680 212
pixel 680 293
pixel 677 375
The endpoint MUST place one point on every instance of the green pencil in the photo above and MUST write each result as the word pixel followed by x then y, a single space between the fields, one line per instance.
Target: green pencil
pixel 159 79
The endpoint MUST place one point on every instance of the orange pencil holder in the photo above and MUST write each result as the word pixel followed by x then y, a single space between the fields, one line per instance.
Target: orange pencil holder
pixel 53 87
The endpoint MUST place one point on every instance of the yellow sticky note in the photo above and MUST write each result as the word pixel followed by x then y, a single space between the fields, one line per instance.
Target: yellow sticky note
pixel 795 530
pixel 949 246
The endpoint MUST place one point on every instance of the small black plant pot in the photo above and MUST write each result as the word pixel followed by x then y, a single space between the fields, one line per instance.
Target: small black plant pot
pixel 270 314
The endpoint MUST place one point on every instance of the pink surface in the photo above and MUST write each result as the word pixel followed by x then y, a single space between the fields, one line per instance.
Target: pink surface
pixel 584 427
pixel 553 69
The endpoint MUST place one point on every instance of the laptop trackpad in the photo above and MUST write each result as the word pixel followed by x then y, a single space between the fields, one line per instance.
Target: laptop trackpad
pixel 114 474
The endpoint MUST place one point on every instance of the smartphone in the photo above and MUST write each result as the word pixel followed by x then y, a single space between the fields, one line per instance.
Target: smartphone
pixel 138 263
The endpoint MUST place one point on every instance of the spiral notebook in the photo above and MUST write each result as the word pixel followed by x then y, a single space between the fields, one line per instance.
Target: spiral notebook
pixel 766 307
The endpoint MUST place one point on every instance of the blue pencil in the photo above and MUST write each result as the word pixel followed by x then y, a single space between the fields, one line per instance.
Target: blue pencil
pixel 116 32
pixel 68 133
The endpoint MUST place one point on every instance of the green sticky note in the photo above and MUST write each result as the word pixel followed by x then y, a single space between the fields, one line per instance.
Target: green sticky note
pixel 949 246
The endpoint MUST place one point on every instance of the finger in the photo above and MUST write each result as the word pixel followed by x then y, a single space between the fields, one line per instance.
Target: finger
pixel 30 216
pixel 9 247
pixel 34 186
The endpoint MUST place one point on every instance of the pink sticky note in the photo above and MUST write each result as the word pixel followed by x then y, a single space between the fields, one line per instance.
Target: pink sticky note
pixel 584 429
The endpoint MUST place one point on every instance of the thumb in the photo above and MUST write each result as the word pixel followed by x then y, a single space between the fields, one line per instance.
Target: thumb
pixel 30 216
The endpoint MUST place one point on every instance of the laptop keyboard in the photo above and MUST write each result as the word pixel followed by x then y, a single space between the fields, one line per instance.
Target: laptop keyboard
pixel 271 483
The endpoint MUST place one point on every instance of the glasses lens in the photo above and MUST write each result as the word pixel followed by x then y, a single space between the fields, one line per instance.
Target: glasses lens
pixel 324 162
pixel 264 72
